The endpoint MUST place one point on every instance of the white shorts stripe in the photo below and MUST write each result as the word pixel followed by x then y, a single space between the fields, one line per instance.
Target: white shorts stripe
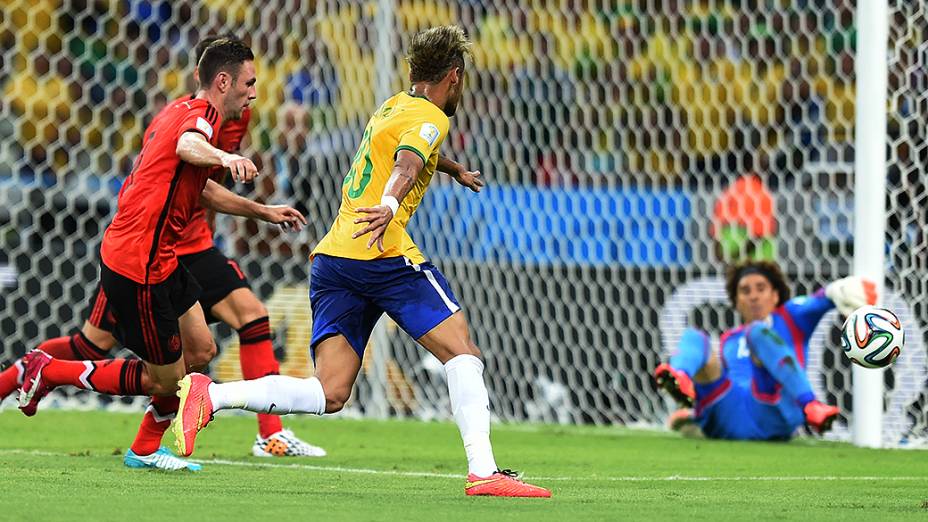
pixel 415 267
pixel 444 297
pixel 431 277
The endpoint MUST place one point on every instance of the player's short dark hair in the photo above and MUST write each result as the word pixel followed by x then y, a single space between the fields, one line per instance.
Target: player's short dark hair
pixel 433 52
pixel 223 55
pixel 206 42
pixel 768 269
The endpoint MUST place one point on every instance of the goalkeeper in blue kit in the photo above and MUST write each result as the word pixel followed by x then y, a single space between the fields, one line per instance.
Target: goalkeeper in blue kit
pixel 755 387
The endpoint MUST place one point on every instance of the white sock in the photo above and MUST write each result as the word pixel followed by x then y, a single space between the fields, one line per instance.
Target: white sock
pixel 277 394
pixel 470 405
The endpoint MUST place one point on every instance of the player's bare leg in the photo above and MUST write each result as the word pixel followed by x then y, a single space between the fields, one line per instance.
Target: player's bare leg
pixel 239 308
pixel 146 450
pixel 450 342
pixel 198 343
pixel 711 371
pixel 244 312
pixel 337 366
pixel 100 338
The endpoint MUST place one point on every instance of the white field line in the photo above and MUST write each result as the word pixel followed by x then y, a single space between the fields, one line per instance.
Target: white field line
pixel 427 474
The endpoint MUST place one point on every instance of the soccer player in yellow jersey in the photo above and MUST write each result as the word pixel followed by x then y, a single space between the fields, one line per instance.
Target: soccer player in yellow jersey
pixel 367 265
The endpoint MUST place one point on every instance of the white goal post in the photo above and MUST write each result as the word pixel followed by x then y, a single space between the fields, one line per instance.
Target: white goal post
pixel 869 211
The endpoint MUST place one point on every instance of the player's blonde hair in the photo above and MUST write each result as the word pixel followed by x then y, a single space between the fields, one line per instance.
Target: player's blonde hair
pixel 433 52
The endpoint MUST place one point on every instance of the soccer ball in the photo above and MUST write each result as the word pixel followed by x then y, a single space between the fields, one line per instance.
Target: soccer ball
pixel 872 337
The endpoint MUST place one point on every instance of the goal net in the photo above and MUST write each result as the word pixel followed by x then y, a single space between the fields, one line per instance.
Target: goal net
pixel 631 147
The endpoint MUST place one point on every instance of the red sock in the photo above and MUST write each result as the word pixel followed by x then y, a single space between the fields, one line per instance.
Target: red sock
pixel 59 348
pixel 256 353
pixel 74 348
pixel 113 376
pixel 157 418
pixel 10 379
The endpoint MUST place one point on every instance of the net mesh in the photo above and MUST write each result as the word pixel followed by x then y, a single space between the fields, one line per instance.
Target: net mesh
pixel 631 148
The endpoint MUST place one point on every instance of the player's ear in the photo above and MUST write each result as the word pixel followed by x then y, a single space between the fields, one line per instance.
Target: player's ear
pixel 223 81
pixel 451 77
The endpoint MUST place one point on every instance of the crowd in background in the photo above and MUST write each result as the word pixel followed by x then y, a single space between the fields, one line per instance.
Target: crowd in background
pixel 581 91
pixel 699 94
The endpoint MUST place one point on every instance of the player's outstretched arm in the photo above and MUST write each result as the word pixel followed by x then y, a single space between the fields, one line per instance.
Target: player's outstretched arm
pixel 469 179
pixel 193 148
pixel 221 199
pixel 406 168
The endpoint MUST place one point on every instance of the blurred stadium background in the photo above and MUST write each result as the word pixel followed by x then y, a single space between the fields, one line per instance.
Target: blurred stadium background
pixel 631 147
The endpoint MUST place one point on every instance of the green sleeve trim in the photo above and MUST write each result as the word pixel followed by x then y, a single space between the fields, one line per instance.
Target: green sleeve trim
pixel 409 147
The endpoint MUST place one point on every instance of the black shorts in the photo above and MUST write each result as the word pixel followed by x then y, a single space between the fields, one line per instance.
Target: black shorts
pixel 216 274
pixel 99 313
pixel 146 315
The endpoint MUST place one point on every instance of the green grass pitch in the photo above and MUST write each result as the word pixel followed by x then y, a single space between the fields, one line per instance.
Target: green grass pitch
pixel 67 465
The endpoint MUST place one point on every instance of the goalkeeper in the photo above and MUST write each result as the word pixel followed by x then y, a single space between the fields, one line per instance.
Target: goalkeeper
pixel 755 387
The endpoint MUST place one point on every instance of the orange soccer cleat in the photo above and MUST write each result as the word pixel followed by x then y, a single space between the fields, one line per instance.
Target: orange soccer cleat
pixel 194 411
pixel 676 383
pixel 503 483
pixel 820 416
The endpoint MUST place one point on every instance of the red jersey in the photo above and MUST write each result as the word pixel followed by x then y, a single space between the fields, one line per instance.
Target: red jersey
pixel 198 235
pixel 158 199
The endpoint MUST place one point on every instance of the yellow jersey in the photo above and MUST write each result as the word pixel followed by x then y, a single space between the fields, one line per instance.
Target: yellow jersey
pixel 403 122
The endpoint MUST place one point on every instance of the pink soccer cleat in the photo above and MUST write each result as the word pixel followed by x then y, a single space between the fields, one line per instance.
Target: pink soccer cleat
pixel 820 416
pixel 677 383
pixel 503 483
pixel 194 411
pixel 33 388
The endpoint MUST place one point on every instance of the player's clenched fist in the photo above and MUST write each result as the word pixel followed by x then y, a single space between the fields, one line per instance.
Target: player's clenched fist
pixel 242 168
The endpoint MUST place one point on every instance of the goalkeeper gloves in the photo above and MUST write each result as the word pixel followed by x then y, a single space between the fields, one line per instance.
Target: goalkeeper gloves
pixel 850 293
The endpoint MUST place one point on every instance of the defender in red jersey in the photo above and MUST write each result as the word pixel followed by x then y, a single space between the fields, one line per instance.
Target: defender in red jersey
pixel 223 283
pixel 153 300
pixel 227 297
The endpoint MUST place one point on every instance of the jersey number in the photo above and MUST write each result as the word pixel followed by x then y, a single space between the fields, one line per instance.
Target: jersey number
pixel 364 151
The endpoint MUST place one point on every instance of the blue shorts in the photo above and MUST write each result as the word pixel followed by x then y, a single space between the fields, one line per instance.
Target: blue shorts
pixel 746 411
pixel 348 296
